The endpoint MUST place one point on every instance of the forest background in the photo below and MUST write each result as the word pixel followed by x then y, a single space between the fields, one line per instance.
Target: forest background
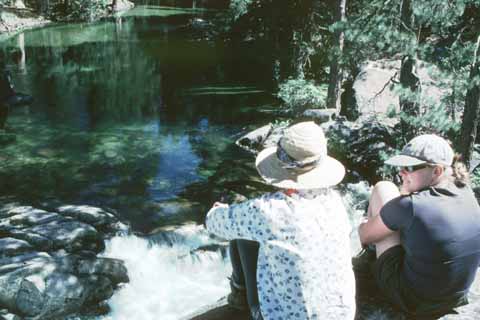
pixel 320 47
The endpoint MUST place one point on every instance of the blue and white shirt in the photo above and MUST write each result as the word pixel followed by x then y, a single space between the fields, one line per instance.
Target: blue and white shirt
pixel 304 265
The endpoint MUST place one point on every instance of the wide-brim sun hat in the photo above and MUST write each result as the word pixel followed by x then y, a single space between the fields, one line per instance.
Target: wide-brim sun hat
pixel 424 149
pixel 300 160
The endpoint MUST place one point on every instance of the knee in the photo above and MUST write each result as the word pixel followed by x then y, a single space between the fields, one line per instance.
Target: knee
pixel 384 186
pixel 382 192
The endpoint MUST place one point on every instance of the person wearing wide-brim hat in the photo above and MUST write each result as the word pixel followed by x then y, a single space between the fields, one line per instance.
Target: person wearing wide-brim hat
pixel 426 234
pixel 304 269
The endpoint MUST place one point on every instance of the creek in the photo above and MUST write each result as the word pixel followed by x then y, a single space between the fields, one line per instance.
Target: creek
pixel 138 114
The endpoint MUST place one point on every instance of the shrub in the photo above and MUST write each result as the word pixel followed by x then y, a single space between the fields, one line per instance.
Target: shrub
pixel 302 94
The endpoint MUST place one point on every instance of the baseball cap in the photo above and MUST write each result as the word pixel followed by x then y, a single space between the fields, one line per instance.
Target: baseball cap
pixel 427 148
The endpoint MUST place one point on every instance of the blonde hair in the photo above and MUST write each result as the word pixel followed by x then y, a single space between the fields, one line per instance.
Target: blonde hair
pixel 459 172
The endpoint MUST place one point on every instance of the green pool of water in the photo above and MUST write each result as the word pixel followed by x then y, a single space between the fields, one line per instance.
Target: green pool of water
pixel 132 113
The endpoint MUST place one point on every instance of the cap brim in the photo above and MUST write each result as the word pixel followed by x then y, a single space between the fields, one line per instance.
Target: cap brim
pixel 329 173
pixel 403 161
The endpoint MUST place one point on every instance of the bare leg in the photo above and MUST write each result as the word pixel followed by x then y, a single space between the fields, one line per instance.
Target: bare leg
pixel 383 192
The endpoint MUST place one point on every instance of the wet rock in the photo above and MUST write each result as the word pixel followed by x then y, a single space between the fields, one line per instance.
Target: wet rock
pixel 114 269
pixel 253 141
pixel 48 260
pixel 69 235
pixel 29 216
pixel 9 264
pixel 321 115
pixel 97 217
pixel 264 137
pixel 11 246
pixel 39 242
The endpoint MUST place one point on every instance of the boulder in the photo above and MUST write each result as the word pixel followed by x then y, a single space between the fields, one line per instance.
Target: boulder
pixel 69 235
pixel 320 115
pixel 362 146
pixel 113 269
pixel 11 246
pixel 28 216
pixel 48 260
pixel 97 217
pixel 374 86
pixel 261 138
pixel 122 5
pixel 253 141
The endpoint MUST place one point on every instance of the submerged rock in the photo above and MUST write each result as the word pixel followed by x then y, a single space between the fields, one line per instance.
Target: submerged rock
pixel 48 262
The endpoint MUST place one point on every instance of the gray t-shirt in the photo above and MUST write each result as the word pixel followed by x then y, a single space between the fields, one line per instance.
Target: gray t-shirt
pixel 440 232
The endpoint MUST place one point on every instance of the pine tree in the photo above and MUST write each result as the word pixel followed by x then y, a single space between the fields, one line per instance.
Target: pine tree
pixel 471 115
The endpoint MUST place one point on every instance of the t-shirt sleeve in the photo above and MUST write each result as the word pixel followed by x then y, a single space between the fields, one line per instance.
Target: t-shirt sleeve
pixel 397 214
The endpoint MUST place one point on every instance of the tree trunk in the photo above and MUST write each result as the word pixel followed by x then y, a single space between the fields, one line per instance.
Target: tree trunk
pixel 408 80
pixel 336 75
pixel 471 114
pixel 44 5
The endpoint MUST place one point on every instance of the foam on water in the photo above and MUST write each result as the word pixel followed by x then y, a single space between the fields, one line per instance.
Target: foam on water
pixel 168 280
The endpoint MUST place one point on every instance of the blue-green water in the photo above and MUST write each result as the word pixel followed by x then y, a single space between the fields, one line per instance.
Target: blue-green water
pixel 137 113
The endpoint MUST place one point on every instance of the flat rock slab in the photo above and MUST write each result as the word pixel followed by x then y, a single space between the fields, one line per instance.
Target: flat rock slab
pixel 218 311
pixel 11 246
pixel 88 214
pixel 48 260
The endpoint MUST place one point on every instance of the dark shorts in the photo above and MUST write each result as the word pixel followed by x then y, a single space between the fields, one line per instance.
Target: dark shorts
pixel 389 277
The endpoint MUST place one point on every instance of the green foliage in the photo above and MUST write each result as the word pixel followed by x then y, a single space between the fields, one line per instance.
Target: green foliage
pixel 301 94
pixel 239 7
pixel 434 120
pixel 475 178
pixel 87 10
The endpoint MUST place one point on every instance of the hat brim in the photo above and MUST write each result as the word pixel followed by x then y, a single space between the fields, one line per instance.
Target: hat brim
pixel 403 161
pixel 328 173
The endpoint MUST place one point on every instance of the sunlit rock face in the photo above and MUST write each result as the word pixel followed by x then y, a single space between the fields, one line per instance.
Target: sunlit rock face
pixel 48 259
pixel 375 91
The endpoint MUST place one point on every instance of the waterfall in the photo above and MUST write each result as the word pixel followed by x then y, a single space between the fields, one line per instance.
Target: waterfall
pixel 178 270
pixel 171 276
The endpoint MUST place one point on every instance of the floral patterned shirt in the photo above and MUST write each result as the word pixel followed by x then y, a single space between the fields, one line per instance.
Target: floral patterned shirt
pixel 304 265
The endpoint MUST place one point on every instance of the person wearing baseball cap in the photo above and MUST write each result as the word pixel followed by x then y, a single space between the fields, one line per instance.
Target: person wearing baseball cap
pixel 426 233
pixel 303 229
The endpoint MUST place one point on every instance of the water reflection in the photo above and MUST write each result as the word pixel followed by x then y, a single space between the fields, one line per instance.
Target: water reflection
pixel 128 113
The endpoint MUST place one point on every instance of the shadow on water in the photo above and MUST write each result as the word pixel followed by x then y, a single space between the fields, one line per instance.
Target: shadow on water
pixel 133 113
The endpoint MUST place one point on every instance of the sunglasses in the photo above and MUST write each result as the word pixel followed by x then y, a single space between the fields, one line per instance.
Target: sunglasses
pixel 411 169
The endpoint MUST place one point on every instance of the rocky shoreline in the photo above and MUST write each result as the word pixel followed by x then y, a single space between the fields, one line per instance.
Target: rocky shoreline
pixel 13 19
pixel 49 263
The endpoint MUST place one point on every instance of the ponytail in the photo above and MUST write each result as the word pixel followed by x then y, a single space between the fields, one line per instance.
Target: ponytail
pixel 460 174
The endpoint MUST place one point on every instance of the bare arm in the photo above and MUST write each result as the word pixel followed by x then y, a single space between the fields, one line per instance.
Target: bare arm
pixel 373 230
